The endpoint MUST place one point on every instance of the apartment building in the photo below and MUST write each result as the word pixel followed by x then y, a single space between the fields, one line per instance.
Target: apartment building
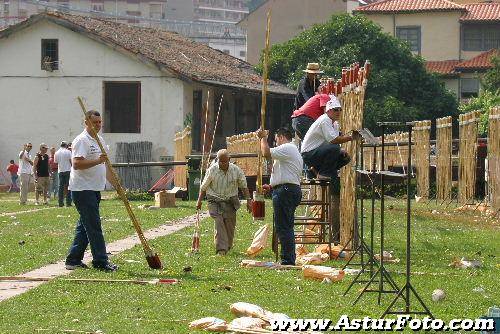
pixel 220 11
pixel 457 39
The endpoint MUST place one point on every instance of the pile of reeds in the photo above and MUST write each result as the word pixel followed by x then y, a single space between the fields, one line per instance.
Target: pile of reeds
pixel 494 158
pixel 245 143
pixel 422 137
pixel 444 142
pixel 467 156
pixel 182 141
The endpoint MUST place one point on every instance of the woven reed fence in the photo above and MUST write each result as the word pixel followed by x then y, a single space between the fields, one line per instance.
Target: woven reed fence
pixel 444 142
pixel 467 156
pixel 136 178
pixel 494 158
pixel 182 141
pixel 422 130
pixel 353 83
pixel 245 143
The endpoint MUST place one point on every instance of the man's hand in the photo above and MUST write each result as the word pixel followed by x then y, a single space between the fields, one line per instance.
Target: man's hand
pixel 102 158
pixel 355 135
pixel 198 205
pixel 249 205
pixel 261 133
pixel 266 188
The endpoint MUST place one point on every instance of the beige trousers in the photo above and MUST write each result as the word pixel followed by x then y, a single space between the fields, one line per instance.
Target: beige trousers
pixel 25 180
pixel 224 214
pixel 42 187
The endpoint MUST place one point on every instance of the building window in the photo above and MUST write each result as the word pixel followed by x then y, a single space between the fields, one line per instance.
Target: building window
pixel 481 37
pixel 97 5
pixel 411 35
pixel 469 87
pixel 50 55
pixel 6 6
pixel 63 5
pixel 243 53
pixel 133 13
pixel 156 11
pixel 226 51
pixel 122 107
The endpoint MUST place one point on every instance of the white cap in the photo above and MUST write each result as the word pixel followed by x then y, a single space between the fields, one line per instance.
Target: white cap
pixel 333 103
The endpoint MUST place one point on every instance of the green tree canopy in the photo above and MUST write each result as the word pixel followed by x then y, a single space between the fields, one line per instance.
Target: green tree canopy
pixel 399 88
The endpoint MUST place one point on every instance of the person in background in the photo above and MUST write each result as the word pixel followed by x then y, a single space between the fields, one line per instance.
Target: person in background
pixel 308 86
pixel 12 168
pixel 25 172
pixel 220 185
pixel 63 159
pixel 304 117
pixel 42 174
pixel 54 176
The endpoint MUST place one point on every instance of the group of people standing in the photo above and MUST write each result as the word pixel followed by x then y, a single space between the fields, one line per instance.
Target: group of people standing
pixel 49 172
pixel 316 123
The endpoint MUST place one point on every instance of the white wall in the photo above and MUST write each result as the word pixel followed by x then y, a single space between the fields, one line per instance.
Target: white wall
pixel 40 106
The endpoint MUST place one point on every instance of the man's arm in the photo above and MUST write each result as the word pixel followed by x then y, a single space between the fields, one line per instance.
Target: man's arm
pixel 264 146
pixel 82 163
pixel 34 164
pixel 341 139
pixel 200 198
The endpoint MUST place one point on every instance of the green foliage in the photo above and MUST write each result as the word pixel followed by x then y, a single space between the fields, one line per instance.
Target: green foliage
pixel 491 80
pixel 137 195
pixel 399 87
pixel 484 102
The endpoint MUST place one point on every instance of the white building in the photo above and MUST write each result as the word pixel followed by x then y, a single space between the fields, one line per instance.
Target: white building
pixel 146 83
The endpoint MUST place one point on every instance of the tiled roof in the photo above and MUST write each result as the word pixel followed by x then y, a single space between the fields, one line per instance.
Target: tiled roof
pixel 482 12
pixel 444 67
pixel 395 6
pixel 480 62
pixel 168 51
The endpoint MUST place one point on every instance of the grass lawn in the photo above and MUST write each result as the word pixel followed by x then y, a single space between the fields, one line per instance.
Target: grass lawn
pixel 216 282
pixel 32 239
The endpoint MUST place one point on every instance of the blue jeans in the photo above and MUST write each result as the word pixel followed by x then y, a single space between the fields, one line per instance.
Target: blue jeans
pixel 286 198
pixel 88 230
pixel 13 180
pixel 54 184
pixel 63 186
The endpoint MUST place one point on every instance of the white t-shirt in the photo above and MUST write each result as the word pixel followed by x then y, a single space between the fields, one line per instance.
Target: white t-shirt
pixel 322 131
pixel 63 160
pixel 24 166
pixel 287 166
pixel 93 178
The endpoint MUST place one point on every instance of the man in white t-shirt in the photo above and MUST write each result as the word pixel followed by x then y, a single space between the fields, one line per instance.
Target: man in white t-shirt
pixel 87 180
pixel 25 172
pixel 285 182
pixel 63 159
pixel 321 146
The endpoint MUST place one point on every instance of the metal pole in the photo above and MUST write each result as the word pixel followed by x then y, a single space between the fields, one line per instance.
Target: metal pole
pixel 372 223
pixel 408 220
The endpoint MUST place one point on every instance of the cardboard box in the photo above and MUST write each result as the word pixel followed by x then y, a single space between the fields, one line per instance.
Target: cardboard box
pixel 164 199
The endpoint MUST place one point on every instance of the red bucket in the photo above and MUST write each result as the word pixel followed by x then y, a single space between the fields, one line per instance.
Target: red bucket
pixel 258 206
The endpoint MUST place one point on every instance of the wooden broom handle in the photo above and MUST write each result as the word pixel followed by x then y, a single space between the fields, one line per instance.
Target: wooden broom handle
pixel 119 188
pixel 264 99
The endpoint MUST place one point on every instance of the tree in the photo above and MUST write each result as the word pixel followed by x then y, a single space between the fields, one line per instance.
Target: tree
pixel 399 88
pixel 491 80
pixel 489 96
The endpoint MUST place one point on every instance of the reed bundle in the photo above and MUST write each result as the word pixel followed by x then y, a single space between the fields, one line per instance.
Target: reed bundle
pixel 444 142
pixel 467 156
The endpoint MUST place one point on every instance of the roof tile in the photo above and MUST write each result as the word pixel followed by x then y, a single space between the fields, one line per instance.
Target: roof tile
pixel 393 6
pixel 480 62
pixel 482 12
pixel 443 67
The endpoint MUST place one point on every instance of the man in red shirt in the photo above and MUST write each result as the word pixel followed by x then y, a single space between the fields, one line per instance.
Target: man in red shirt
pixel 304 117
pixel 12 168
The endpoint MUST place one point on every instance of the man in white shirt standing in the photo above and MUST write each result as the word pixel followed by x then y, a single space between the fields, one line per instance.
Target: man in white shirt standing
pixel 285 183
pixel 87 180
pixel 63 159
pixel 25 172
pixel 220 185
pixel 321 146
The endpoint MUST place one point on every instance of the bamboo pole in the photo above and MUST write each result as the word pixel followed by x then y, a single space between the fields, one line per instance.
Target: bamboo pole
pixel 443 158
pixel 494 158
pixel 264 98
pixel 467 157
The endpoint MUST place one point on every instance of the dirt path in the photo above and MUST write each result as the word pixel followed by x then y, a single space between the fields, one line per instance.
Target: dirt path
pixel 10 289
pixel 27 211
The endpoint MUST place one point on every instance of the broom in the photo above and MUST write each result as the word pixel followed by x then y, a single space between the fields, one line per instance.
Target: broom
pixel 152 258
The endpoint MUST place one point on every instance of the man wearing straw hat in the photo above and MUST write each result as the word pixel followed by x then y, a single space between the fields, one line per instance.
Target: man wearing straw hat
pixel 308 85
pixel 321 146
pixel 220 185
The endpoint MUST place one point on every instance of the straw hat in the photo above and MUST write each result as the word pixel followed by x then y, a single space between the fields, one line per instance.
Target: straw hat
pixel 312 68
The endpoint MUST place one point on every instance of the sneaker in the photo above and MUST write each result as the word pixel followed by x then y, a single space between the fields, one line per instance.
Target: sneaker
pixel 107 267
pixel 37 203
pixel 221 252
pixel 76 266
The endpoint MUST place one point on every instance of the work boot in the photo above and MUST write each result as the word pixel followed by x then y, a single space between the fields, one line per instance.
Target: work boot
pixel 108 267
pixel 76 266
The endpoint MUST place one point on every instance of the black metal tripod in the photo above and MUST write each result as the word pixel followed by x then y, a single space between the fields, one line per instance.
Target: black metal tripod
pixel 404 293
pixel 381 273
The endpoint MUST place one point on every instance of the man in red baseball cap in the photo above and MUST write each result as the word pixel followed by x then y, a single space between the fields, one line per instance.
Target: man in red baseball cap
pixel 304 117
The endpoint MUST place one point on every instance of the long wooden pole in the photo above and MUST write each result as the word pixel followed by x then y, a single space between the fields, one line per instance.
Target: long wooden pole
pixel 151 257
pixel 264 98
